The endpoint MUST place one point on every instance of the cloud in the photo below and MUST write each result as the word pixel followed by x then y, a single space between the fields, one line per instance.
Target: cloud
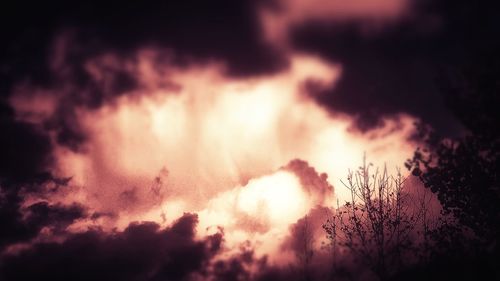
pixel 194 130
pixel 142 251
pixel 316 185
pixel 395 67
pixel 26 152
pixel 191 138
pixel 22 223
pixel 25 149
pixel 282 16
pixel 222 30
pixel 158 109
pixel 118 118
pixel 390 50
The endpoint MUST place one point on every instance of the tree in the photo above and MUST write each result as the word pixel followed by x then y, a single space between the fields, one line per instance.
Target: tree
pixel 463 171
pixel 379 221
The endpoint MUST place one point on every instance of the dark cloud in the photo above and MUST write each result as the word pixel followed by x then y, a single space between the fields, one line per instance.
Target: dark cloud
pixel 55 216
pixel 387 69
pixel 245 266
pixel 222 29
pixel 21 225
pixel 307 242
pixel 315 184
pixel 393 68
pixel 141 252
pixel 24 149
pixel 11 220
pixel 25 156
pixel 236 267
pixel 308 230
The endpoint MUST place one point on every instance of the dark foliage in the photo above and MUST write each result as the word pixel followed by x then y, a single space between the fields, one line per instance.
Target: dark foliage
pixel 464 172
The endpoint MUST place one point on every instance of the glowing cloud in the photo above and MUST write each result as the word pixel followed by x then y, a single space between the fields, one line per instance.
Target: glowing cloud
pixel 214 145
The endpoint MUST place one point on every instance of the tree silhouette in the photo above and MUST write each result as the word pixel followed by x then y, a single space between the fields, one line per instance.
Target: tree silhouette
pixel 377 226
pixel 463 171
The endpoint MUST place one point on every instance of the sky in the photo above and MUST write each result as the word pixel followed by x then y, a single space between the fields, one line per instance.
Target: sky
pixel 193 140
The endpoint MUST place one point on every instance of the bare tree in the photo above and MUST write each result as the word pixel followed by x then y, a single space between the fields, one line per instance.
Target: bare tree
pixel 377 225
